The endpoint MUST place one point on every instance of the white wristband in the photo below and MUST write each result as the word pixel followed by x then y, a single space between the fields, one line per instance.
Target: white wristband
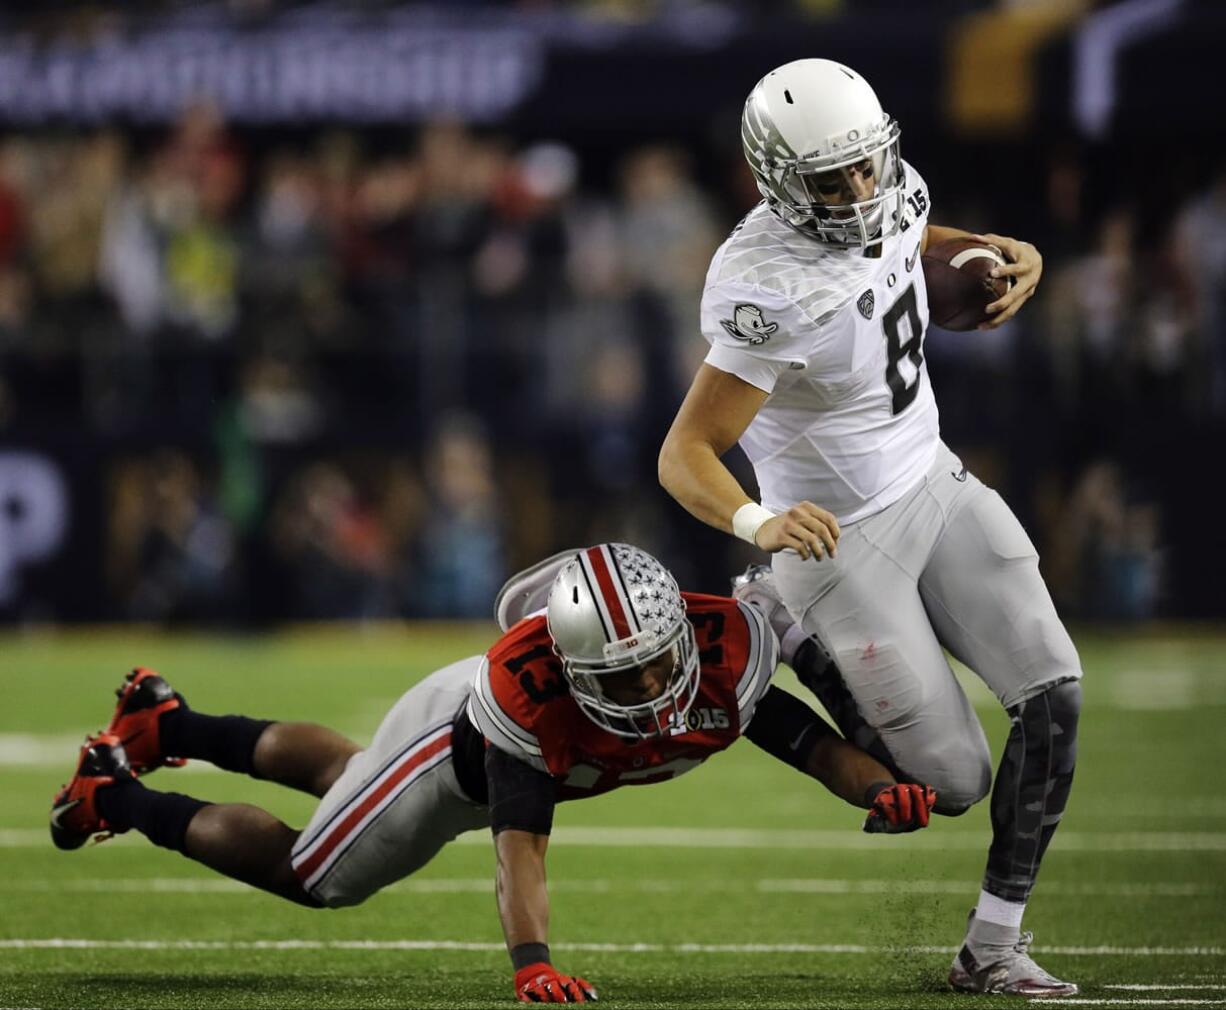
pixel 748 519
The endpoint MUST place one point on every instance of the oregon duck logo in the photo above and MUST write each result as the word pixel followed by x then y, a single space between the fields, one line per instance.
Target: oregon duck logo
pixel 747 324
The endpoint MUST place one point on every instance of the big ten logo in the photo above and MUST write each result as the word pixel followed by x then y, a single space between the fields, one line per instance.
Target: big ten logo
pixel 707 718
pixel 33 516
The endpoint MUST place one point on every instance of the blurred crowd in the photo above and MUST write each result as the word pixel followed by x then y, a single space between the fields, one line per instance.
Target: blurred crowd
pixel 344 374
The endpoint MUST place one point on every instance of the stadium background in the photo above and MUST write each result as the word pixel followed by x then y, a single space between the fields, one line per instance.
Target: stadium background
pixel 329 312
pixel 310 313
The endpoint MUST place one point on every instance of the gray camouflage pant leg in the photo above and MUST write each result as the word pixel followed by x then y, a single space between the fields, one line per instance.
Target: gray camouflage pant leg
pixel 987 601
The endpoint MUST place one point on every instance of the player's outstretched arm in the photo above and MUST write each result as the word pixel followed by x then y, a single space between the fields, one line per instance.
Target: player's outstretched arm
pixel 715 413
pixel 521 817
pixel 788 729
pixel 862 780
pixel 523 906
pixel 523 900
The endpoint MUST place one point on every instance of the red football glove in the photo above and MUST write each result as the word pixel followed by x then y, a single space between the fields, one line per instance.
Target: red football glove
pixel 543 983
pixel 901 807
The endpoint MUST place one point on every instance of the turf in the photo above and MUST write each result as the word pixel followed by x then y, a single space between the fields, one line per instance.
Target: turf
pixel 796 910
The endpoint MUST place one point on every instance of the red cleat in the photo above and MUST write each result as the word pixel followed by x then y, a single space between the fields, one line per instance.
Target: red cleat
pixel 74 811
pixel 143 697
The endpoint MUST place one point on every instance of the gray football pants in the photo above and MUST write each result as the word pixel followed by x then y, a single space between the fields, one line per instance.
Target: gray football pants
pixel 948 565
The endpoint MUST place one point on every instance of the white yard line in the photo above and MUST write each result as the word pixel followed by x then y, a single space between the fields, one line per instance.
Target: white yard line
pixel 826 886
pixel 1152 987
pixel 1066 1001
pixel 485 885
pixel 69 943
pixel 39 750
pixel 933 839
pixel 59 751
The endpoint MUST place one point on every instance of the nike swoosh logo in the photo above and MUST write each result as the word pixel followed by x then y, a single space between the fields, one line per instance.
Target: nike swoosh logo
pixel 795 744
pixel 60 811
pixel 961 476
pixel 911 259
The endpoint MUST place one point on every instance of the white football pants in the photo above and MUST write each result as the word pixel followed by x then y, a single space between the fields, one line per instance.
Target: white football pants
pixel 948 565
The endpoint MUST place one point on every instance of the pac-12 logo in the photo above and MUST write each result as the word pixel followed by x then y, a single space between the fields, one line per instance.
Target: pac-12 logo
pixel 747 324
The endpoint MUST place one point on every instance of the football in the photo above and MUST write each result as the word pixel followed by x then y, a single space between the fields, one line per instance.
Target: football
pixel 956 272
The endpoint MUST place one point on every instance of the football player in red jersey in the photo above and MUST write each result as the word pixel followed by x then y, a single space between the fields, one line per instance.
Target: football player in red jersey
pixel 607 675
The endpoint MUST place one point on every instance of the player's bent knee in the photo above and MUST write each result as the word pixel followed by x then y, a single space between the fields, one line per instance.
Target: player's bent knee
pixel 1048 653
pixel 971 781
pixel 1052 710
pixel 962 794
pixel 961 776
pixel 1057 718
pixel 1065 701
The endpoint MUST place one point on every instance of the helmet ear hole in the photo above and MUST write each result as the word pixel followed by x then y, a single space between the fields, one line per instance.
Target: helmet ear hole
pixel 575 596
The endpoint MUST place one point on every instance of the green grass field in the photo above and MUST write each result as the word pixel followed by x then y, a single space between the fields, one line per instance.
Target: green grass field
pixel 738 885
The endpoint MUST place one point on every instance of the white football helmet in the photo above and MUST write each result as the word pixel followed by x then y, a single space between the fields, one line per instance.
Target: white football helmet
pixel 613 608
pixel 809 122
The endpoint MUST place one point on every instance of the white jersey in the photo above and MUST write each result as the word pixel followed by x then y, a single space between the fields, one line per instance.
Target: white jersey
pixel 836 337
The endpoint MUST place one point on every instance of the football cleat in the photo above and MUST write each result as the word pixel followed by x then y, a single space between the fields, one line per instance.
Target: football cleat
pixel 996 959
pixel 756 586
pixel 143 697
pixel 74 811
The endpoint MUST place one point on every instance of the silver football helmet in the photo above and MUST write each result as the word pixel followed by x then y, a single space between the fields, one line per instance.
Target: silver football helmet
pixel 612 609
pixel 806 126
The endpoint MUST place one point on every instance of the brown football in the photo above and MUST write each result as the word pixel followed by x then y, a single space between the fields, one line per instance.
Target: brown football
pixel 959 288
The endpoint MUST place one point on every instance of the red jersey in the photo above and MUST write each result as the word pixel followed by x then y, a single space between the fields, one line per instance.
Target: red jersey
pixel 520 702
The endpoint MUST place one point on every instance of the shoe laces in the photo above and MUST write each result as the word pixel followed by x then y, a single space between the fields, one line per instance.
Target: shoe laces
pixel 1022 948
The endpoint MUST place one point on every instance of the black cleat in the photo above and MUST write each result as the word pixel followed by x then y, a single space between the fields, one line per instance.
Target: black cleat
pixel 74 811
pixel 143 697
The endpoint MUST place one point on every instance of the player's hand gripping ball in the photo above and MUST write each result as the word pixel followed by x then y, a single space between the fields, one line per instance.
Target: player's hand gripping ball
pixel 902 807
pixel 958 274
pixel 543 983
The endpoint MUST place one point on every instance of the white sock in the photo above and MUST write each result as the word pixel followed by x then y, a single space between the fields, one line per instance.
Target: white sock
pixel 999 911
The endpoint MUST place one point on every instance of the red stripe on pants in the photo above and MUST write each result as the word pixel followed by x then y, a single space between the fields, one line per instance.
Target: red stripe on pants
pixel 412 760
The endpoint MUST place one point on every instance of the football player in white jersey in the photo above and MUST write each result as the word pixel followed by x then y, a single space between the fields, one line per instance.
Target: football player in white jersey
pixel 815 308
